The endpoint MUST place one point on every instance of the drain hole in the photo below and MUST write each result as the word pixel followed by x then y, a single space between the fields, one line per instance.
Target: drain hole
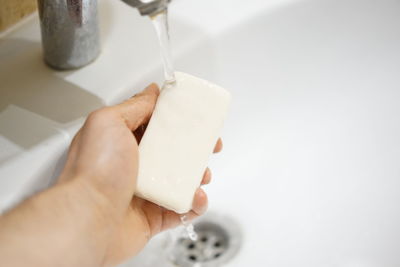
pixel 204 239
pixel 219 241
pixel 192 258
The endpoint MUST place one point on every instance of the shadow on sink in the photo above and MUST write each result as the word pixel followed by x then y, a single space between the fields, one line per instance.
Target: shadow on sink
pixel 35 102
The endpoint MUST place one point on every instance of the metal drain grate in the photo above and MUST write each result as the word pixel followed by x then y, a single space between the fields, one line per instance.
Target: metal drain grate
pixel 218 241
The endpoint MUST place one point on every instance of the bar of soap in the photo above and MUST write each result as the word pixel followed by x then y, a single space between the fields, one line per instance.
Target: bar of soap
pixel 179 139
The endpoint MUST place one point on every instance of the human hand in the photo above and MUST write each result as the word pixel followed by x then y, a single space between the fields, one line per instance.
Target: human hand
pixel 103 159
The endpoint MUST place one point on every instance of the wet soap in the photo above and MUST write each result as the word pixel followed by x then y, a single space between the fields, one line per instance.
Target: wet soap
pixel 179 139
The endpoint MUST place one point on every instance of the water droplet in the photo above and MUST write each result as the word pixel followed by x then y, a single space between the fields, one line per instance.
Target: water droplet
pixel 189 228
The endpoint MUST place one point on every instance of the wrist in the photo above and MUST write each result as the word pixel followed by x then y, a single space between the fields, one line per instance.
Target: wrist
pixel 71 216
pixel 94 212
pixel 96 203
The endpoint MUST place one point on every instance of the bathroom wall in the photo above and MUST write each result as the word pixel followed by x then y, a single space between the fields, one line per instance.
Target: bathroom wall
pixel 12 11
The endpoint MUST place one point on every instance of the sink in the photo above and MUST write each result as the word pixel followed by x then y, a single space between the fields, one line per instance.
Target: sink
pixel 310 168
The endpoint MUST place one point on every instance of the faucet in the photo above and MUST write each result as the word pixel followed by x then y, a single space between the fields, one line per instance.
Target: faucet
pixel 70 29
pixel 148 7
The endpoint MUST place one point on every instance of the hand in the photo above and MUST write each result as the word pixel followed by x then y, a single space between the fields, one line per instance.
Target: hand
pixel 103 159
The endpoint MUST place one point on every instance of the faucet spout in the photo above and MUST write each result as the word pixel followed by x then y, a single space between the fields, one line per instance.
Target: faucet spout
pixel 148 7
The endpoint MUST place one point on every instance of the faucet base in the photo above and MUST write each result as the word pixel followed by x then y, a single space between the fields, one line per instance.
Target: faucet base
pixel 70 32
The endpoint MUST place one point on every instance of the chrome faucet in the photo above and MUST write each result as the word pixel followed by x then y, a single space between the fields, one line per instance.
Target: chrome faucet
pixel 148 7
pixel 70 29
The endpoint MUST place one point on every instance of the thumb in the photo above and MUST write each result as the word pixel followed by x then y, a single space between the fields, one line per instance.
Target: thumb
pixel 137 110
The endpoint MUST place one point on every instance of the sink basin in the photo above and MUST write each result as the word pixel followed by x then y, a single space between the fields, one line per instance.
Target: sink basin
pixel 310 168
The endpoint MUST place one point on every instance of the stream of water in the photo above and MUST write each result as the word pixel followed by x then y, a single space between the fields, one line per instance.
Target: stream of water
pixel 160 23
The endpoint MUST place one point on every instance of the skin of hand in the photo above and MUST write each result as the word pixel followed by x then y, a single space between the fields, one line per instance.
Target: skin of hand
pixel 91 216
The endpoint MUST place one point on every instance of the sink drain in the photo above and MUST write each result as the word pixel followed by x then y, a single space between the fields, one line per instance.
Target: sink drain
pixel 219 240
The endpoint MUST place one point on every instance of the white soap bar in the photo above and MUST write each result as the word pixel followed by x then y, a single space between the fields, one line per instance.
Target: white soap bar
pixel 179 139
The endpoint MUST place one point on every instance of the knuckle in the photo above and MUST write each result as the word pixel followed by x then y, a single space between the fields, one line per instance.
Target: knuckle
pixel 99 115
pixel 144 102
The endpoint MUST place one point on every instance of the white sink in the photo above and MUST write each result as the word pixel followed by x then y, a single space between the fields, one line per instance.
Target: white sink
pixel 311 166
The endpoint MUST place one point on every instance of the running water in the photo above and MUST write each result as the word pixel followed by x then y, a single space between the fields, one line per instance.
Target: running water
pixel 160 23
pixel 189 228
